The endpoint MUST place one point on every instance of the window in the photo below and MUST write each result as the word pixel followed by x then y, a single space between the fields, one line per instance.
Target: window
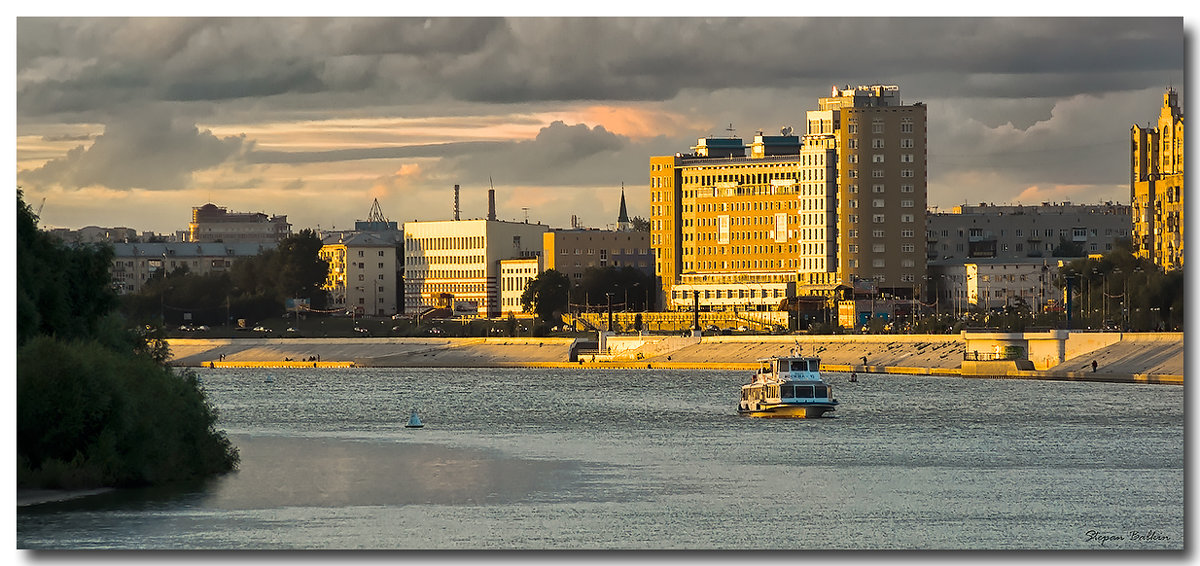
pixel 877 126
pixel 876 233
pixel 906 218
pixel 877 173
pixel 908 248
pixel 907 203
pixel 877 263
pixel 877 203
pixel 877 188
pixel 906 143
pixel 906 172
pixel 877 248
pixel 877 218
pixel 906 158
pixel 906 126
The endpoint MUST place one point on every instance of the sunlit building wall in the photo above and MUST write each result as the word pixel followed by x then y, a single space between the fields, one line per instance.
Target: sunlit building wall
pixel 362 273
pixel 461 259
pixel 1156 186
pixel 843 201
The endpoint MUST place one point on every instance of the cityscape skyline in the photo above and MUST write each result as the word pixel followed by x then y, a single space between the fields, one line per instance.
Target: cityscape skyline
pixel 133 122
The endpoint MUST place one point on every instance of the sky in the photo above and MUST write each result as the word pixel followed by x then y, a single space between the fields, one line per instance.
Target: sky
pixel 132 122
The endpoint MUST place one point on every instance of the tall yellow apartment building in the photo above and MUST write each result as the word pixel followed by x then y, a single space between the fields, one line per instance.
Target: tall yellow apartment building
pixel 844 201
pixel 1156 186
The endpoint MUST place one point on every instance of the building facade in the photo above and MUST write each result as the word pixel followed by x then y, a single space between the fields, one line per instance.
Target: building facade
pixel 1017 231
pixel 961 285
pixel 134 263
pixel 845 201
pixel 212 223
pixel 515 275
pixel 571 252
pixel 363 273
pixel 459 261
pixel 1156 186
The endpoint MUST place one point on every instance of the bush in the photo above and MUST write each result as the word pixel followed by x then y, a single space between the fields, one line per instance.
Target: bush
pixel 88 416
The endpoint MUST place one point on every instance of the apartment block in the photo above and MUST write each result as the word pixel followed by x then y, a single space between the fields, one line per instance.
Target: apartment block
pixel 363 273
pixel 1024 231
pixel 842 202
pixel 134 263
pixel 1156 186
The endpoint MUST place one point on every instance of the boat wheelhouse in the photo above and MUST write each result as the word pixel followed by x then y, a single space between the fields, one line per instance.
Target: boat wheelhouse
pixel 787 387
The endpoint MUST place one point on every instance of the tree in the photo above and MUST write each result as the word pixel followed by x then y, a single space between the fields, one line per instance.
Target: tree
pixel 547 295
pixel 62 290
pixel 1067 248
pixel 96 403
pixel 626 283
pixel 640 224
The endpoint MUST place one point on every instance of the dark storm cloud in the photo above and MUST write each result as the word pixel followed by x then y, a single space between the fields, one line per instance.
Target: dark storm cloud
pixel 536 59
pixel 559 155
pixel 147 150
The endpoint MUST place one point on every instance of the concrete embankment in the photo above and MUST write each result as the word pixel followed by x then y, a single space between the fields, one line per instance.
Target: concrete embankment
pixel 1129 357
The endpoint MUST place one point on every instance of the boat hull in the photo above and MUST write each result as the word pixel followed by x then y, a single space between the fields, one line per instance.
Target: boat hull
pixel 788 411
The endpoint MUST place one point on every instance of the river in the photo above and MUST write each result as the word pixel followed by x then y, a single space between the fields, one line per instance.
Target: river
pixel 633 459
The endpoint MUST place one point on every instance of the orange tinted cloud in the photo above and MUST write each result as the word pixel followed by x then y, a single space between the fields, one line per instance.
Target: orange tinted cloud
pixel 631 121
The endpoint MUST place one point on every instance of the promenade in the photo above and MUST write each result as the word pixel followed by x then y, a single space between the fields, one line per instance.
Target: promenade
pixel 1122 357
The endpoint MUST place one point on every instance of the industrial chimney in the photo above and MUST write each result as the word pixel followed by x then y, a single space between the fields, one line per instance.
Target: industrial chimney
pixel 456 202
pixel 491 204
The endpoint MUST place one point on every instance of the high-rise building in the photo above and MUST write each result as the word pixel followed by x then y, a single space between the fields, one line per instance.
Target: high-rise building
pixel 845 201
pixel 1156 186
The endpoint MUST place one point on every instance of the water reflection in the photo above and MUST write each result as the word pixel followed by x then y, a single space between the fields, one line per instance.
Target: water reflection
pixel 330 472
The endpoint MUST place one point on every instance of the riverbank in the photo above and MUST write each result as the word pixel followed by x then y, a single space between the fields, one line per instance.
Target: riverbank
pixel 1120 357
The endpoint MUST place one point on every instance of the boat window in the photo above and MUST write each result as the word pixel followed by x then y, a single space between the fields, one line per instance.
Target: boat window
pixel 820 390
pixel 783 365
pixel 799 365
pixel 814 365
pixel 804 391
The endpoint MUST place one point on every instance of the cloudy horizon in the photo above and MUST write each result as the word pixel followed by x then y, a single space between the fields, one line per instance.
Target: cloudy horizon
pixel 134 121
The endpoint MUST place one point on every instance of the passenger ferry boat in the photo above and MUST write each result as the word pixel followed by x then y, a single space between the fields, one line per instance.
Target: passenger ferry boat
pixel 787 387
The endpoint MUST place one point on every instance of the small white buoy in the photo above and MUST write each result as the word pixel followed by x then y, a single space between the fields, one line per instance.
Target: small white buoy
pixel 414 421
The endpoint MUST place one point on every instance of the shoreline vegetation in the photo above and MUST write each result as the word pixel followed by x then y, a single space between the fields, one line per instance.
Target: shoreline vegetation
pixel 98 405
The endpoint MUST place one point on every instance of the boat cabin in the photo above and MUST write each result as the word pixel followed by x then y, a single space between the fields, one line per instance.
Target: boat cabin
pixel 790 369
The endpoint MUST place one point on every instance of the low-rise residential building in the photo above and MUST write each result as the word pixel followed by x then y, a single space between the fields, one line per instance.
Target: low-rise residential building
pixel 134 263
pixel 959 285
pixel 571 252
pixel 363 273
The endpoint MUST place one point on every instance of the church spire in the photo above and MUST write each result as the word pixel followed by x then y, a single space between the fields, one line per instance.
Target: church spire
pixel 623 223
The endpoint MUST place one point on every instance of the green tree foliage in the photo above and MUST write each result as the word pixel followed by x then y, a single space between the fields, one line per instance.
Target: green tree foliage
pixel 1067 248
pixel 1123 291
pixel 90 416
pixel 547 295
pixel 96 404
pixel 640 224
pixel 61 291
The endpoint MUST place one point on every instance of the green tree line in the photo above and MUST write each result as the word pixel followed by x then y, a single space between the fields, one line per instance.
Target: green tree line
pixel 97 405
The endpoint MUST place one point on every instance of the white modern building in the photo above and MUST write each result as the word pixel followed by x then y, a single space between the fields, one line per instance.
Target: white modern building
pixel 515 275
pixel 456 261
pixel 967 284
